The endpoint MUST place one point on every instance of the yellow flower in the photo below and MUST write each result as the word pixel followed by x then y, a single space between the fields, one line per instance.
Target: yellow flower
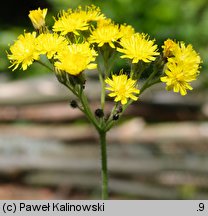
pixel 168 48
pixel 70 22
pixel 177 78
pixel 37 17
pixel 77 20
pixel 50 44
pixel 106 32
pixel 122 88
pixel 126 30
pixel 182 68
pixel 138 47
pixel 76 58
pixel 186 55
pixel 90 13
pixel 23 51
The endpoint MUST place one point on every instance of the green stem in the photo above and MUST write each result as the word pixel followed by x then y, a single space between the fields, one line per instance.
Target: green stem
pixel 45 65
pixel 102 136
pixel 132 70
pixel 88 111
pixel 104 168
pixel 111 114
pixel 110 123
pixel 102 99
pixel 148 82
pixel 102 81
pixel 147 85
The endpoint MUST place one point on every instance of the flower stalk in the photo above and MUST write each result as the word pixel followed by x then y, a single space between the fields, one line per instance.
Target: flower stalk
pixel 104 167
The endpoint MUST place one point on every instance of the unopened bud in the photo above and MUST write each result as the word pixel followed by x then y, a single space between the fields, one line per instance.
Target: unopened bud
pixel 115 116
pixel 37 17
pixel 99 113
pixel 73 104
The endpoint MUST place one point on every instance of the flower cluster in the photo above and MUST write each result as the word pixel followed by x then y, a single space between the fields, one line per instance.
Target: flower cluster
pixel 81 37
pixel 182 66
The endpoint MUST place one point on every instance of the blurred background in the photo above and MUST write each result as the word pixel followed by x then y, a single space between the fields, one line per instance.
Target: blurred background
pixel 49 151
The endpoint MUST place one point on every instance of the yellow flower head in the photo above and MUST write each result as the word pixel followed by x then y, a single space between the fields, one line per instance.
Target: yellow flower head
pixel 50 44
pixel 122 88
pixel 76 58
pixel 69 22
pixel 90 13
pixel 182 68
pixel 168 48
pixel 126 30
pixel 186 55
pixel 178 78
pixel 37 17
pixel 138 47
pixel 106 32
pixel 23 51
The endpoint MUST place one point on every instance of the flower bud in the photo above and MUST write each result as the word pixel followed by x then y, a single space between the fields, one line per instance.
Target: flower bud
pixel 73 104
pixel 37 17
pixel 168 48
pixel 99 113
pixel 115 117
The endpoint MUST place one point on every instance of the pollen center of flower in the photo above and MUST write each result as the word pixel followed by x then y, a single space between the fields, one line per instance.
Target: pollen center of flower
pixel 179 77
pixel 121 89
pixel 27 51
